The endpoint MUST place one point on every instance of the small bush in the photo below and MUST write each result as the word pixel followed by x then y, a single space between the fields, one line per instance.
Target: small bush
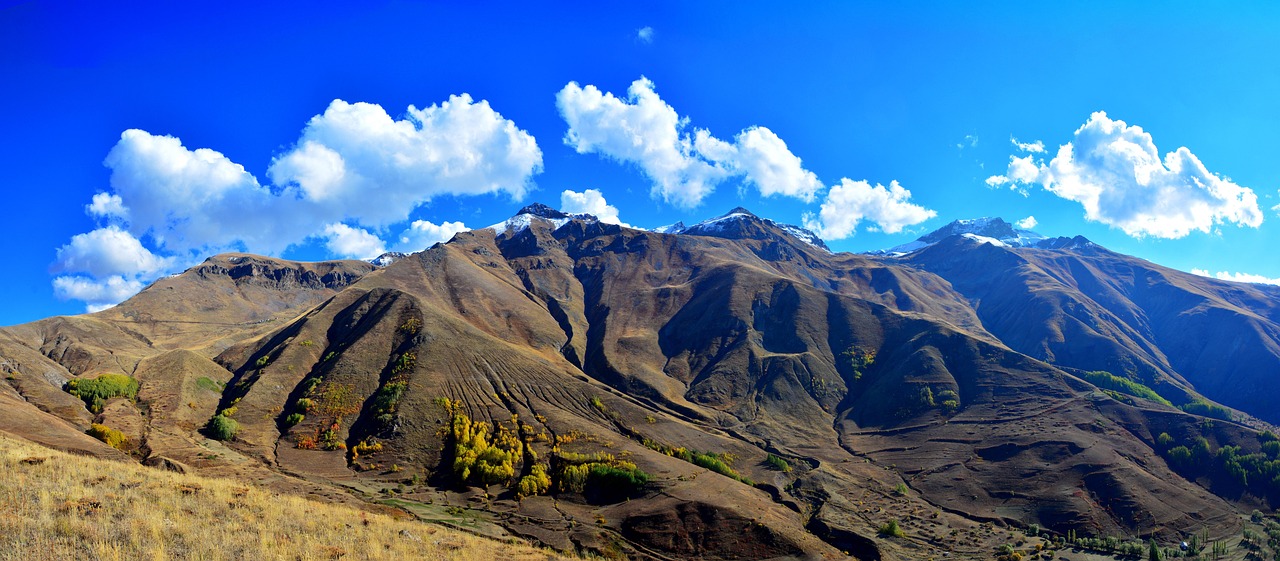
pixel 221 427
pixel 891 529
pixel 293 419
pixel 303 405
pixel 112 437
pixel 263 361
pixel 777 463
pixel 95 392
pixel 900 490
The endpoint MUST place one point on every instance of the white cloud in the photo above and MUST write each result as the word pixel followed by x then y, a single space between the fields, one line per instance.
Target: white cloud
pixel 772 168
pixel 97 295
pixel 422 234
pixel 684 166
pixel 642 130
pixel 353 164
pixel 970 140
pixel 592 202
pixel 1036 147
pixel 107 205
pixel 1236 277
pixel 353 243
pixel 108 251
pixel 645 34
pixel 356 151
pixel 190 199
pixel 1114 171
pixel 1027 223
pixel 853 202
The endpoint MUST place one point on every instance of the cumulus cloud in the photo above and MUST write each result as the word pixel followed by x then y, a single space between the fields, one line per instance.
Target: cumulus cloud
pixel 1027 223
pixel 684 165
pixel 97 294
pixel 422 234
pixel 1036 147
pixel 645 34
pixel 853 202
pixel 353 167
pixel 1115 172
pixel 592 202
pixel 107 205
pixel 354 151
pixel 1237 277
pixel 353 243
pixel 106 252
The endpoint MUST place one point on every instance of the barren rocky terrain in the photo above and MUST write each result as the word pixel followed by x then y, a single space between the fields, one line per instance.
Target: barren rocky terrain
pixel 730 392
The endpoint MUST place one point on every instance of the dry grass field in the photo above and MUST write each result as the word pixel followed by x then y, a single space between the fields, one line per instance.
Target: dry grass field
pixel 59 506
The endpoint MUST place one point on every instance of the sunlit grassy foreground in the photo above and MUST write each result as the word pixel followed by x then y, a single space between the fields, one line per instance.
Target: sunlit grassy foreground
pixel 58 506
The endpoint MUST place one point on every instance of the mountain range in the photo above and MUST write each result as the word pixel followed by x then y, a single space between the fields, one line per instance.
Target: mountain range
pixel 726 390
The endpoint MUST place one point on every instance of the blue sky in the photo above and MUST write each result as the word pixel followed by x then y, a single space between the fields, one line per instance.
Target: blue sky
pixel 805 115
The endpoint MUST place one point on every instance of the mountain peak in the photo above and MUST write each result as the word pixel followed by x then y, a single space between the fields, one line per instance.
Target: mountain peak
pixel 982 230
pixel 543 211
pixel 741 223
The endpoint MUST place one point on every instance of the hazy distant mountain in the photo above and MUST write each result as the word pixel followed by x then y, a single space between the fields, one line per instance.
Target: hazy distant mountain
pixel 784 401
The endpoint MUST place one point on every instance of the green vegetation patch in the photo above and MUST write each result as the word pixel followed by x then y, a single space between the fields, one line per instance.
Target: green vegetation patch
pixel 222 427
pixel 96 391
pixel 1199 406
pixel 210 384
pixel 1258 472
pixel 1109 381
pixel 777 463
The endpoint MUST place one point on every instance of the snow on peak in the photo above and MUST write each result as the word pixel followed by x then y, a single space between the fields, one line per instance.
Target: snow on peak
pixel 983 230
pixel 536 211
pixel 387 258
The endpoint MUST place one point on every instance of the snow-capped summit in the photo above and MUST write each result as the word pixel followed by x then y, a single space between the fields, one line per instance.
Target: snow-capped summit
pixel 741 223
pixel 993 231
pixel 386 259
pixel 537 211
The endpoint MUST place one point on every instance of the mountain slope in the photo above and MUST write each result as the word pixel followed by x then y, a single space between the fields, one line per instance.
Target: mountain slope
pixel 727 390
pixel 1089 308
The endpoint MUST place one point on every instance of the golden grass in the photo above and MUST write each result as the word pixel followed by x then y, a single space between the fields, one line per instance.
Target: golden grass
pixel 59 506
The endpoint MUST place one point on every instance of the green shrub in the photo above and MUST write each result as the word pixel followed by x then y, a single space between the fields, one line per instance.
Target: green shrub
pixel 96 391
pixel 891 529
pixel 900 490
pixel 263 361
pixel 293 419
pixel 221 427
pixel 1164 440
pixel 310 384
pixel 777 463
pixel 387 401
pixel 303 405
pixel 112 437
